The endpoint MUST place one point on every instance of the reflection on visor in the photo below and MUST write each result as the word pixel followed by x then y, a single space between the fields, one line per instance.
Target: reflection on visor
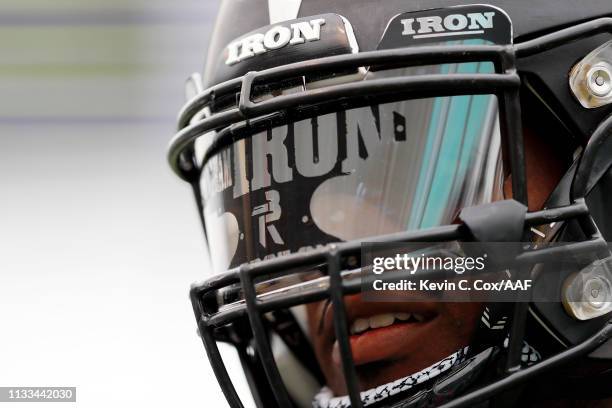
pixel 448 157
pixel 353 174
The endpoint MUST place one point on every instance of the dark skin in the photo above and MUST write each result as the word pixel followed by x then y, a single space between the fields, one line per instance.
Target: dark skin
pixel 385 354
pixel 392 352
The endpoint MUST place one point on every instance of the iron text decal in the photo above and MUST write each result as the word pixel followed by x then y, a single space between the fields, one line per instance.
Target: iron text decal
pixel 476 23
pixel 451 25
pixel 275 38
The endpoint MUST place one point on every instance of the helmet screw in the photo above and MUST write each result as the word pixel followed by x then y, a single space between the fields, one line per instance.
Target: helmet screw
pixel 599 81
pixel 597 292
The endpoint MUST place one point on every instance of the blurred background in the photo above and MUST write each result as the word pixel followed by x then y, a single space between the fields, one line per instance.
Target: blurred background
pixel 99 241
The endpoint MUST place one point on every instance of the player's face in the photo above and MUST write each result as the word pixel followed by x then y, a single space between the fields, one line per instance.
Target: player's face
pixel 415 335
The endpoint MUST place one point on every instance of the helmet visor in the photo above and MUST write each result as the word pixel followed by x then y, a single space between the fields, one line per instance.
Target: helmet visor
pixel 353 174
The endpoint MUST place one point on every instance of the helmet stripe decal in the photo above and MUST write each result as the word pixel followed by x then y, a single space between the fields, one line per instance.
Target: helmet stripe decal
pixel 283 10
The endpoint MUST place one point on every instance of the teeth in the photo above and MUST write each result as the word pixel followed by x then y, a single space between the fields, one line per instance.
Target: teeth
pixel 382 320
pixel 360 325
pixel 403 316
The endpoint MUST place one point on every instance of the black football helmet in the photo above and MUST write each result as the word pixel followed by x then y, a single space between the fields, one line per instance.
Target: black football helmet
pixel 323 130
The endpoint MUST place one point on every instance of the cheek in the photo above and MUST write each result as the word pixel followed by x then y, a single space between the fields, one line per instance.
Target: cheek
pixel 461 319
pixel 322 349
pixel 544 166
pixel 313 313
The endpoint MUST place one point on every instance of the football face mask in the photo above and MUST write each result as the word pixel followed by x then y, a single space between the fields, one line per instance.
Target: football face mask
pixel 295 164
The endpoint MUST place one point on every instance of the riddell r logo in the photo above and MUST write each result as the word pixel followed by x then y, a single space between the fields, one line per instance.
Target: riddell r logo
pixel 451 25
pixel 268 213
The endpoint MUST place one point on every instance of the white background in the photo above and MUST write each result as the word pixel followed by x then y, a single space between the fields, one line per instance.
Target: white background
pixel 98 240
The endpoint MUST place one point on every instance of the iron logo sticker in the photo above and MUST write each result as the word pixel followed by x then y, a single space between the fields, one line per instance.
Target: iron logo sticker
pixel 476 21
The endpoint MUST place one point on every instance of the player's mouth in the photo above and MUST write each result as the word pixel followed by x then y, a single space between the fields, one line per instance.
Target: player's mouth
pixel 385 331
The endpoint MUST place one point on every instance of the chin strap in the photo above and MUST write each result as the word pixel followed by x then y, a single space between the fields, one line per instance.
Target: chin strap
pixel 428 388
pixel 326 399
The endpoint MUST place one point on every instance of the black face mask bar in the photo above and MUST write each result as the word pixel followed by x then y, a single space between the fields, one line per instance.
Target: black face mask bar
pixel 504 83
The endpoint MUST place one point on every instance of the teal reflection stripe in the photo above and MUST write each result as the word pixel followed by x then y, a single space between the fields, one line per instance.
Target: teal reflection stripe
pixel 428 159
pixel 442 183
pixel 427 167
pixel 462 129
pixel 479 108
pixel 474 132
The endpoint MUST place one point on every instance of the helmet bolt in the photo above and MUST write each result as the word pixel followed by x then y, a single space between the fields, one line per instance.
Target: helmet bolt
pixel 597 292
pixel 599 81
